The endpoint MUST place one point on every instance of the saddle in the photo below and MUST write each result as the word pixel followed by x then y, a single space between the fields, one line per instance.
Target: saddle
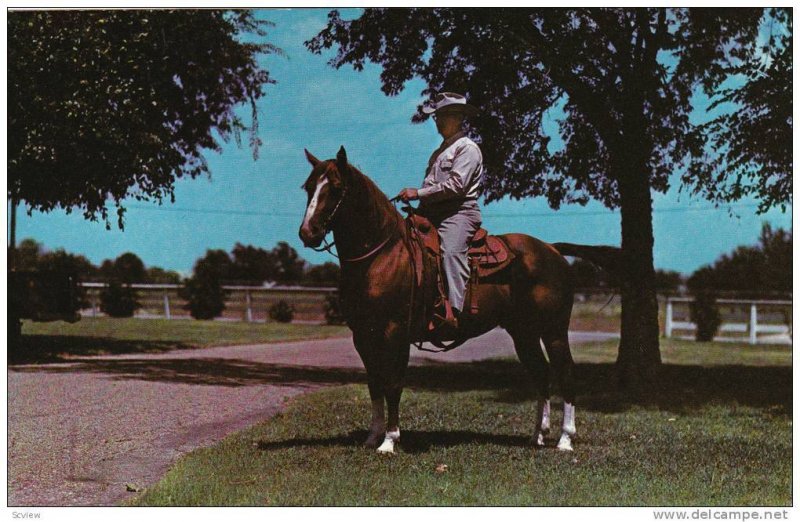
pixel 487 255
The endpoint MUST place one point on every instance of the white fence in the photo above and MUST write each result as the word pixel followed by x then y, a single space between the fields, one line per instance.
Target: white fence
pixel 739 316
pixel 243 303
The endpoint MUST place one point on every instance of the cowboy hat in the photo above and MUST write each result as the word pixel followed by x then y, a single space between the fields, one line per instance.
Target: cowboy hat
pixel 450 102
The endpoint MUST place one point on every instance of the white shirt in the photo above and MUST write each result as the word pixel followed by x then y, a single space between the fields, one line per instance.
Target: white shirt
pixel 455 171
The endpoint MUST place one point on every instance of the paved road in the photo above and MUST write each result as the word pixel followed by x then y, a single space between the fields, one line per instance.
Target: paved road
pixel 79 432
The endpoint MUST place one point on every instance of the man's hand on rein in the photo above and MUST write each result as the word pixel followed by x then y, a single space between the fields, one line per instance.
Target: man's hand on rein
pixel 408 194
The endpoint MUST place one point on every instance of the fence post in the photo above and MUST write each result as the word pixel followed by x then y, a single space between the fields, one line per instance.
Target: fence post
pixel 94 305
pixel 249 313
pixel 166 306
pixel 668 325
pixel 753 323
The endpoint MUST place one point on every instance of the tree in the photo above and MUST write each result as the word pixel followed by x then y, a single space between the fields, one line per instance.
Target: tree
pixel 253 265
pixel 61 261
pixel 751 271
pixel 290 266
pixel 62 264
pixel 751 143
pixel 203 291
pixel 620 83
pixel 105 105
pixel 28 253
pixel 128 268
pixel 158 275
pixel 324 274
pixel 119 299
pixel 668 280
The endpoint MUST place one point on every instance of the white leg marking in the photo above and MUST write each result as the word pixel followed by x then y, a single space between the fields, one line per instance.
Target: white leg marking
pixel 568 428
pixel 377 427
pixel 546 417
pixel 312 205
pixel 542 426
pixel 388 443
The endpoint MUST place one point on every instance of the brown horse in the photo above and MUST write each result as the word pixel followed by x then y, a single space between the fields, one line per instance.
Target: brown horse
pixel 531 299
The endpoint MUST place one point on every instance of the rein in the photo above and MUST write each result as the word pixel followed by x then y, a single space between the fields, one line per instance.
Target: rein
pixel 328 246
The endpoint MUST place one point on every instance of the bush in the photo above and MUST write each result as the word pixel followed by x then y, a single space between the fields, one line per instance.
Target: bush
pixel 117 300
pixel 282 312
pixel 205 296
pixel 705 314
pixel 333 309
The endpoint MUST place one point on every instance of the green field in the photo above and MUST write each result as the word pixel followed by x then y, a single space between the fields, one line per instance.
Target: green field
pixel 46 342
pixel 716 430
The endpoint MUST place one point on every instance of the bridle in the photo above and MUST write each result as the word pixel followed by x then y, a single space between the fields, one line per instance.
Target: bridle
pixel 328 246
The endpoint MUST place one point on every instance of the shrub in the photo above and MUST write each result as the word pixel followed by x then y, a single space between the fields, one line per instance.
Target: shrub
pixel 705 314
pixel 205 296
pixel 117 300
pixel 333 309
pixel 282 312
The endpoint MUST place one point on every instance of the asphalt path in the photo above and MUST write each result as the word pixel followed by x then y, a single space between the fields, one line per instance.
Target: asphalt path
pixel 80 433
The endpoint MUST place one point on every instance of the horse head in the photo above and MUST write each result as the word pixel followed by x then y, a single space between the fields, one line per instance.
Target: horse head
pixel 326 187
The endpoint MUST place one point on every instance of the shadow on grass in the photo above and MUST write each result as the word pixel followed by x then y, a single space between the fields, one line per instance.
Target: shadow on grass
pixel 42 349
pixel 680 387
pixel 413 441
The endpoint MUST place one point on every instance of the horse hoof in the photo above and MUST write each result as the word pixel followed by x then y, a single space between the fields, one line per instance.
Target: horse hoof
pixel 387 448
pixel 538 440
pixel 372 441
pixel 565 444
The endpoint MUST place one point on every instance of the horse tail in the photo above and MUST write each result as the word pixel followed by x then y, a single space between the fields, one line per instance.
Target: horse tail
pixel 606 257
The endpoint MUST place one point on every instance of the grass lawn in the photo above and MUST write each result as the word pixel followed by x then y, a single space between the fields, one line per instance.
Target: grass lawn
pixel 715 431
pixel 45 342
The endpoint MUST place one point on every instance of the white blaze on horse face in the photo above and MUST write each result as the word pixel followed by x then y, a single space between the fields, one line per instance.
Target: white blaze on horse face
pixel 312 205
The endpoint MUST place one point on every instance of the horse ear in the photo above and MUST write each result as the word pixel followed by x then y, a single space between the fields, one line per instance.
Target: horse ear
pixel 311 159
pixel 341 160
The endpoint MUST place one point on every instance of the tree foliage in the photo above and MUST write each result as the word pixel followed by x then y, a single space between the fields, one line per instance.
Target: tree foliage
pixel 595 71
pixel 755 271
pixel 104 105
pixel 203 291
pixel 326 274
pixel 750 144
pixel 254 265
pixel 118 299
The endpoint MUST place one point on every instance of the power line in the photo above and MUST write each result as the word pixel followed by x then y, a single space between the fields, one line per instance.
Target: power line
pixel 550 214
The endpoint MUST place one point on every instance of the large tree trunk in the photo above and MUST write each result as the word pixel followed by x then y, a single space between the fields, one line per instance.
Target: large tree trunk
pixel 639 357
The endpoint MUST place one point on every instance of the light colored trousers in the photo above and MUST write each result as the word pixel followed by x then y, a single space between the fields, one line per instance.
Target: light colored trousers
pixel 455 231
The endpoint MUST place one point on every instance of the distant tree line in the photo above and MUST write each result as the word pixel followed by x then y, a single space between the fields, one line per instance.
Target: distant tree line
pixel 244 265
pixel 760 270
pixel 749 271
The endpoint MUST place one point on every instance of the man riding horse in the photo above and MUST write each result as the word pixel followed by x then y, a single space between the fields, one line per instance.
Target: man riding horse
pixel 449 194
pixel 531 297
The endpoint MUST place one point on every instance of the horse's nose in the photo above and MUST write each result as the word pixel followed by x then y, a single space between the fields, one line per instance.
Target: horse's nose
pixel 305 234
pixel 308 236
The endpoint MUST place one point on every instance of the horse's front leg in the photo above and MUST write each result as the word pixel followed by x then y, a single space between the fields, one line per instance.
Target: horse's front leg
pixel 367 350
pixel 394 363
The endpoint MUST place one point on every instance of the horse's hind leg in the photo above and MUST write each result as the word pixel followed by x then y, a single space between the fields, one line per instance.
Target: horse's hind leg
pixel 529 351
pixel 561 361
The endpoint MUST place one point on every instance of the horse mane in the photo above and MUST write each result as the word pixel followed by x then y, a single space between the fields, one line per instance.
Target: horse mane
pixel 377 204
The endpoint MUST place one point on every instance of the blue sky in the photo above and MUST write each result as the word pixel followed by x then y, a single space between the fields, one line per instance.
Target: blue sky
pixel 320 108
